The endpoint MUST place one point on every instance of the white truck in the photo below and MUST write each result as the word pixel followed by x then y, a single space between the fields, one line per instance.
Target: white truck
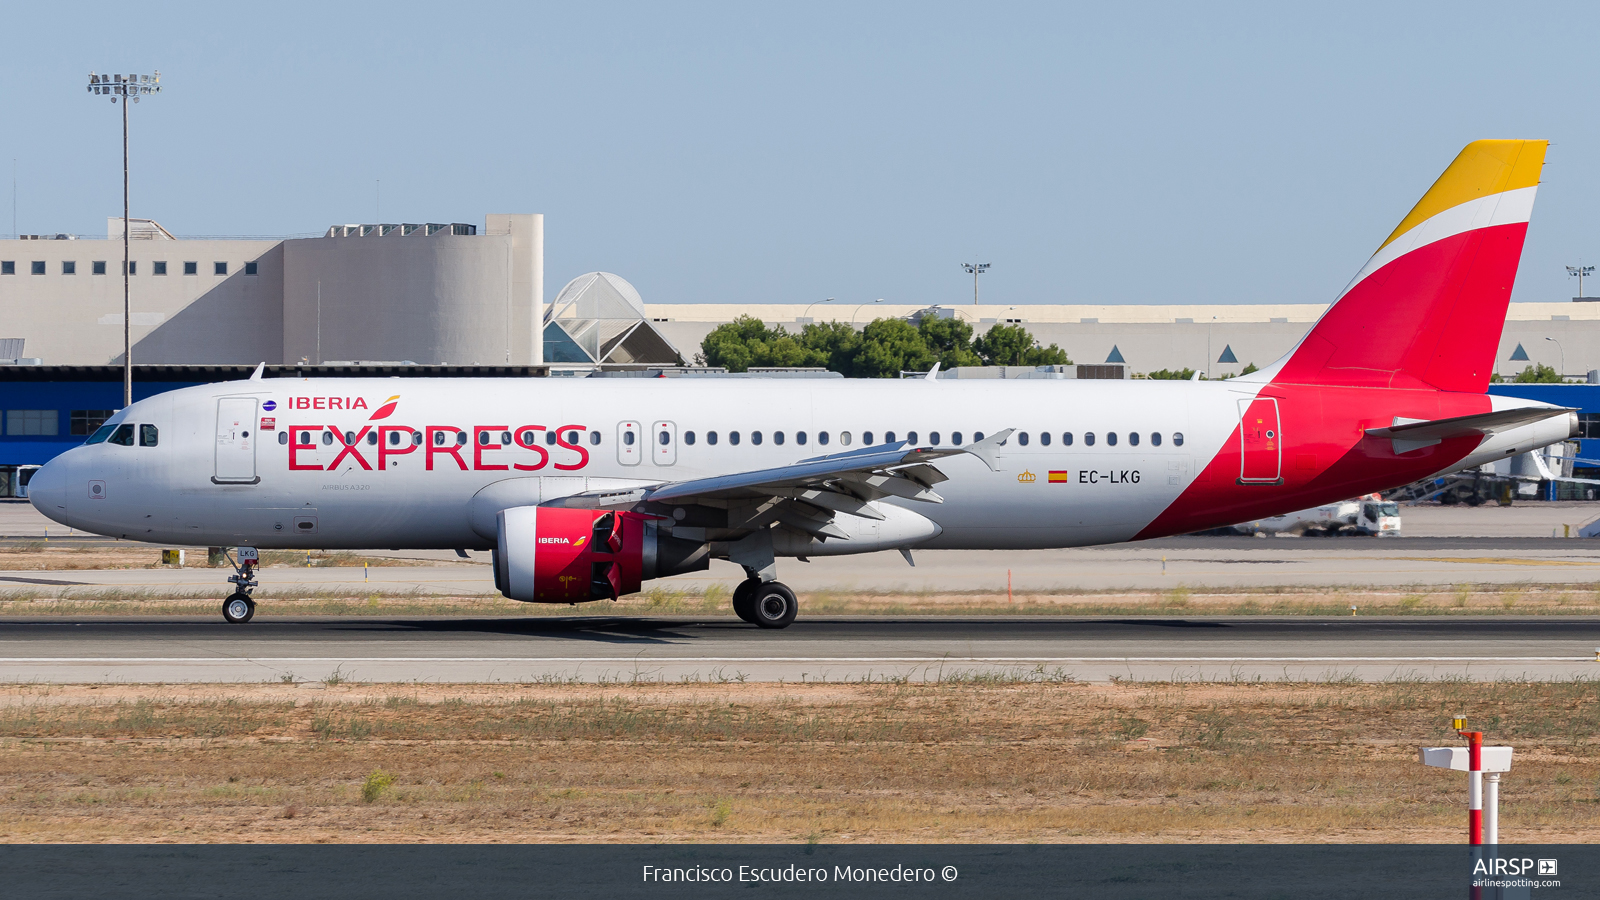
pixel 1368 515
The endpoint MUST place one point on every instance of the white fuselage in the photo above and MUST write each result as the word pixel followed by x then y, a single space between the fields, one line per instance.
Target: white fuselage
pixel 421 496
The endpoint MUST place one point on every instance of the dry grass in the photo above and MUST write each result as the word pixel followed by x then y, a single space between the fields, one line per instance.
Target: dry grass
pixel 991 761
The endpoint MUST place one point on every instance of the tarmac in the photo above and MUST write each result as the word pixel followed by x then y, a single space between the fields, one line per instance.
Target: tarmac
pixel 1444 546
pixel 317 651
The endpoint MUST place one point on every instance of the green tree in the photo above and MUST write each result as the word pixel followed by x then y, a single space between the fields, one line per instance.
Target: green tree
pixel 747 341
pixel 950 340
pixel 889 347
pixel 1171 374
pixel 1537 374
pixel 1249 367
pixel 834 343
pixel 1012 345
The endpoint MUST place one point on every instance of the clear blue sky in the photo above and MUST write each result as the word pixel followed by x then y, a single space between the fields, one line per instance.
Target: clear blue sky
pixel 744 152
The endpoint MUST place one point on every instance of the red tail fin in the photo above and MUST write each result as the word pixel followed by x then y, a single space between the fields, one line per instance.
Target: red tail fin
pixel 1427 309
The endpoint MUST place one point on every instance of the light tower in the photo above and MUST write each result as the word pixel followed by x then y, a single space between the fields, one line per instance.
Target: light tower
pixel 129 88
pixel 975 269
pixel 1579 272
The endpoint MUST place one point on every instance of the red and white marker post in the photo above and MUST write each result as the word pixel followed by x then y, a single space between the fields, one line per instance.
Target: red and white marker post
pixel 1483 818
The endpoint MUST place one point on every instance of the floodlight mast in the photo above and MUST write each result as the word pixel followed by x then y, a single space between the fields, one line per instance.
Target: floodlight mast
pixel 1580 272
pixel 975 269
pixel 128 87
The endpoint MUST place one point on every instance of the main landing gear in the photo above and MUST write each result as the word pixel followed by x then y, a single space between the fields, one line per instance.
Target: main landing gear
pixel 239 608
pixel 768 604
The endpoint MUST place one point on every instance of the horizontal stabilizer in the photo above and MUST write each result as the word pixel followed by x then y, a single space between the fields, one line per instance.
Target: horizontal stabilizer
pixel 1432 431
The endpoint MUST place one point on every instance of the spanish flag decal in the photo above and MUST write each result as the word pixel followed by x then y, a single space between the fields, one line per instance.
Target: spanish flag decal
pixel 387 409
pixel 1059 477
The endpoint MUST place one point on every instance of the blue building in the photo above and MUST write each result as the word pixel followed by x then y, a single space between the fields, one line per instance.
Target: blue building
pixel 1583 397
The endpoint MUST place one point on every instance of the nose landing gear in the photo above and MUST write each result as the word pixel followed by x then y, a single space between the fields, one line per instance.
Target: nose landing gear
pixel 239 608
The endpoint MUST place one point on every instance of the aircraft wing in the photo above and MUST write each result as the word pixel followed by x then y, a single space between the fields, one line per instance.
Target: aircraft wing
pixel 809 493
pixel 1463 426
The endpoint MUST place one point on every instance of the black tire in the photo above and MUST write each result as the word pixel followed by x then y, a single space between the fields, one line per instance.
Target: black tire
pixel 744 600
pixel 775 605
pixel 238 609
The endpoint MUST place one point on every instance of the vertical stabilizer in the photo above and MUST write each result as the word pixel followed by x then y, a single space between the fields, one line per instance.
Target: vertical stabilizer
pixel 1427 309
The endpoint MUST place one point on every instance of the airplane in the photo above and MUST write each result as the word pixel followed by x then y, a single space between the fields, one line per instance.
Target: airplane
pixel 584 489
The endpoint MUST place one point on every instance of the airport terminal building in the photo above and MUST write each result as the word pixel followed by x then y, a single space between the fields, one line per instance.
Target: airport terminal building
pixel 464 299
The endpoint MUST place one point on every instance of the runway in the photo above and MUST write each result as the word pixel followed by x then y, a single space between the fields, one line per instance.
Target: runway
pixel 624 650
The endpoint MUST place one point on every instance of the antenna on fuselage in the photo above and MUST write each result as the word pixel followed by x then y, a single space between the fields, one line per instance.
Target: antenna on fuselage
pixel 256 375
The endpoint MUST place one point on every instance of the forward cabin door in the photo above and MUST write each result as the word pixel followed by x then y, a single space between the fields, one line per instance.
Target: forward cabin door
pixel 1260 442
pixel 236 441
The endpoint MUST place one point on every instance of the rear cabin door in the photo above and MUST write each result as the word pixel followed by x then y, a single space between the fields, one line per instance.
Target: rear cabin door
pixel 236 441
pixel 1260 441
pixel 664 443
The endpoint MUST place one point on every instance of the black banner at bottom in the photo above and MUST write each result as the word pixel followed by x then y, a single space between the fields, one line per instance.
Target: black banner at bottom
pixel 945 872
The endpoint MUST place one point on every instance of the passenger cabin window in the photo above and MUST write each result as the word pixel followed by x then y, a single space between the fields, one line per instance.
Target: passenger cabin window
pixel 1177 439
pixel 1155 438
pixel 799 437
pixel 1111 438
pixel 550 438
pixel 1044 438
pixel 1088 439
pixel 733 437
pixel 664 438
pixel 1133 438
pixel 822 438
pixel 888 437
pixel 1066 439
pixel 372 438
pixel 1022 438
pixel 594 438
pixel 123 435
pixel 844 438
pixel 866 438
pixel 777 437
pixel 283 437
pixel 327 438
pixel 149 436
pixel 977 435
pixel 688 437
pixel 911 437
pixel 711 437
pixel 755 437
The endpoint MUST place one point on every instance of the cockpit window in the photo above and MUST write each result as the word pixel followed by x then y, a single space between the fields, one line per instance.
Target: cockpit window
pixel 100 434
pixel 123 435
pixel 149 436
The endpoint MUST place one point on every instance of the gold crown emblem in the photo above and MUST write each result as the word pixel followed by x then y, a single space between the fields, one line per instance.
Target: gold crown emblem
pixel 1027 477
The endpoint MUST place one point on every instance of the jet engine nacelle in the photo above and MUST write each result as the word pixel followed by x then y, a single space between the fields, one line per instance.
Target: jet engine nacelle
pixel 548 554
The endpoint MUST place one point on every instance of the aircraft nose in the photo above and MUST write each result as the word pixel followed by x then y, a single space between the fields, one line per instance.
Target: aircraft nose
pixel 47 490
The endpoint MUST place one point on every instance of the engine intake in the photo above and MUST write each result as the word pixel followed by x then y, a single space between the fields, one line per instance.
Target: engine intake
pixel 557 555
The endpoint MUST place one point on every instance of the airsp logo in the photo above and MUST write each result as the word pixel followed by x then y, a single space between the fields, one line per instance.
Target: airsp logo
pixel 1547 867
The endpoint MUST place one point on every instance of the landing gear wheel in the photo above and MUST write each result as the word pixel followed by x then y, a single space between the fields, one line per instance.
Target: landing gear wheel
pixel 744 599
pixel 775 605
pixel 238 609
